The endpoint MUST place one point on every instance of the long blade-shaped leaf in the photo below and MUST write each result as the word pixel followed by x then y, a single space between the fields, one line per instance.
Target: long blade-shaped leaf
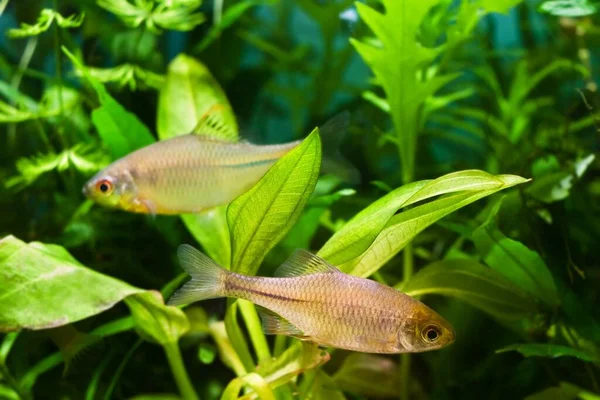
pixel 355 237
pixel 402 228
pixel 259 218
pixel 476 284
pixel 549 350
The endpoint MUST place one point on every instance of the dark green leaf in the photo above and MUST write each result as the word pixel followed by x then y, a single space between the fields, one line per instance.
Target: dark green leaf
pixel 475 284
pixel 548 350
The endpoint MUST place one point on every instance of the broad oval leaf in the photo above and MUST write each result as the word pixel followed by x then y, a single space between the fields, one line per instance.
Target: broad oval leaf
pixel 355 237
pixel 476 284
pixel 34 275
pixel 259 218
pixel 549 350
pixel 524 267
pixel 189 93
pixel 155 321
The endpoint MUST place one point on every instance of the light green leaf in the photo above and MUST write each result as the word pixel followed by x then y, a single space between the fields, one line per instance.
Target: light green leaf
pixel 190 93
pixel 516 262
pixel 120 130
pixel 396 63
pixel 370 375
pixel 566 391
pixel 210 229
pixel 473 283
pixel 156 15
pixel 254 382
pixel 127 74
pixel 569 8
pixel 358 234
pixel 35 275
pixel 402 228
pixel 156 322
pixel 548 350
pixel 259 218
pixel 45 19
pixel 499 6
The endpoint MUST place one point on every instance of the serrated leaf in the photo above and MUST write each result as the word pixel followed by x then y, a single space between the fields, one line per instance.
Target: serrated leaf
pixel 259 218
pixel 548 350
pixel 396 64
pixel 358 234
pixel 473 283
pixel 516 262
pixel 156 322
pixel 34 275
pixel 45 19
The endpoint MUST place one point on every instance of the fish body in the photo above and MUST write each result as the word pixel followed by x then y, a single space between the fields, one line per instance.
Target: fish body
pixel 195 172
pixel 313 300
pixel 185 174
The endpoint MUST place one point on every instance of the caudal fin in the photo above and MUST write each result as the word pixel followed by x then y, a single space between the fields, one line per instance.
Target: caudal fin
pixel 332 134
pixel 207 277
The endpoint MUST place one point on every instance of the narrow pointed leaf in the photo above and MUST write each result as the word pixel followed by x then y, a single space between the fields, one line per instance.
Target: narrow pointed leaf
pixel 475 284
pixel 549 350
pixel 259 218
pixel 359 234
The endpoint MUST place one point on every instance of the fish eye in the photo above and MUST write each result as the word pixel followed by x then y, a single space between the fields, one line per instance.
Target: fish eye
pixel 104 186
pixel 431 333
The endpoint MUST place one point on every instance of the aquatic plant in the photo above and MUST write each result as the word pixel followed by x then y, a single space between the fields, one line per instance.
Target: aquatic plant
pixel 477 165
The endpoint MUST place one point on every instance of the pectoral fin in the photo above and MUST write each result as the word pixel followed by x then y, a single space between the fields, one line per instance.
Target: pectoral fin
pixel 274 324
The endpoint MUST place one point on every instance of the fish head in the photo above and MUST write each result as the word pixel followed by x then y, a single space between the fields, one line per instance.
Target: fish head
pixel 112 187
pixel 424 330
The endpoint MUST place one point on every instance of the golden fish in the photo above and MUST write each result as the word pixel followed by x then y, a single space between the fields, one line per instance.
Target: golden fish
pixel 195 172
pixel 312 300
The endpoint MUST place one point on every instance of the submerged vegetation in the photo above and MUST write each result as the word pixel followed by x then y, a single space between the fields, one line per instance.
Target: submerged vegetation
pixel 474 127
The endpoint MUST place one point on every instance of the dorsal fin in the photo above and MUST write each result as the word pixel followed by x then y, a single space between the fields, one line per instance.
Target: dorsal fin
pixel 302 262
pixel 211 125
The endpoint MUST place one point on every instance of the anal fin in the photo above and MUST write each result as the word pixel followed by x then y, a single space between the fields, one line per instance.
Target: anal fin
pixel 275 324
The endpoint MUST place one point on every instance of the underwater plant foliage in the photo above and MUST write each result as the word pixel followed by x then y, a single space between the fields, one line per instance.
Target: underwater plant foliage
pixel 474 127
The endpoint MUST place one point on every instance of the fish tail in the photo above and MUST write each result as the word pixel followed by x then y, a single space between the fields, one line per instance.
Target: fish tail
pixel 332 135
pixel 208 278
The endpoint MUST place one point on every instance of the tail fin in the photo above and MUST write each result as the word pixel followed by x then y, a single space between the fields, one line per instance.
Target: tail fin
pixel 333 133
pixel 207 277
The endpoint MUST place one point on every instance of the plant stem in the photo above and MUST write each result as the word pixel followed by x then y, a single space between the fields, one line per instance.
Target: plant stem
pixel 58 55
pixel 12 382
pixel 181 377
pixel 405 358
pixel 255 330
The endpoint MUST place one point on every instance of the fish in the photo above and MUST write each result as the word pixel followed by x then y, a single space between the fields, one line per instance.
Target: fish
pixel 312 300
pixel 198 171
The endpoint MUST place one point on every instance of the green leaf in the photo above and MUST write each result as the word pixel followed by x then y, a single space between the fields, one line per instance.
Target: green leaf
pixel 176 15
pixel 566 391
pixel 45 19
pixel 156 322
pixel 190 93
pixel 120 130
pixel 499 6
pixel 568 8
pixel 34 275
pixel 515 262
pixel 473 283
pixel 230 16
pixel 548 350
pixel 370 375
pixel 128 74
pixel 396 63
pixel 259 218
pixel 359 234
